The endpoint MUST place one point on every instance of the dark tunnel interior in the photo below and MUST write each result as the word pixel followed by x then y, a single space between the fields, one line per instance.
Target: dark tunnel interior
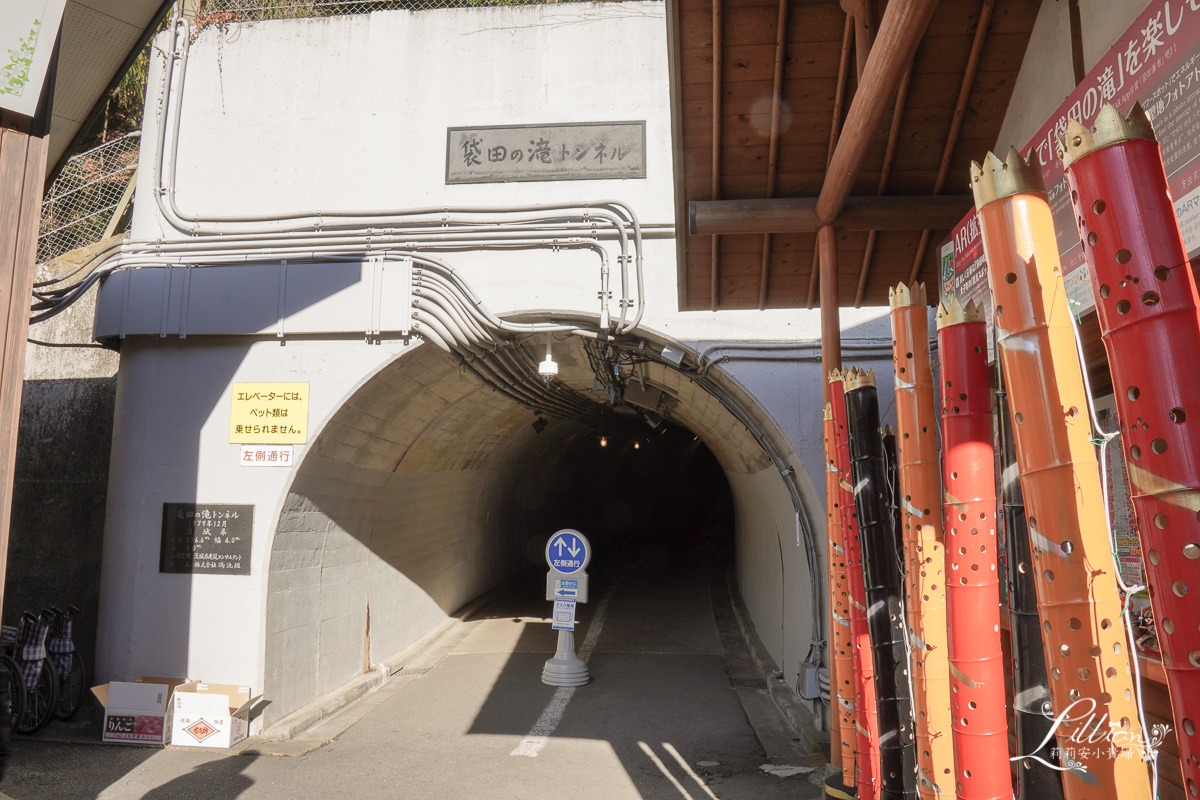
pixel 651 499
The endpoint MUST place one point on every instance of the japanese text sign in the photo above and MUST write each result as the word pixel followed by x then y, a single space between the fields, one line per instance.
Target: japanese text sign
pixel 563 152
pixel 268 413
pixel 206 538
pixel 1155 62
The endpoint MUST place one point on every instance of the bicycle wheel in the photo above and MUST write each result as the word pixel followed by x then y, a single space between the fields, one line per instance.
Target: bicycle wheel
pixel 41 701
pixel 71 688
pixel 16 689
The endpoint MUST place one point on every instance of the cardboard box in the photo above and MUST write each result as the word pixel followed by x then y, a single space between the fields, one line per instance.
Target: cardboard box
pixel 211 715
pixel 138 712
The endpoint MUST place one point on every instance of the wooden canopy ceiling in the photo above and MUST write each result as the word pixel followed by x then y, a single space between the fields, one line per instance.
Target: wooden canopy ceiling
pixel 824 99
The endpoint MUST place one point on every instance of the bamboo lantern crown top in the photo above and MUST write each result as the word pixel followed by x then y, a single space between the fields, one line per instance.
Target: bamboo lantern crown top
pixel 954 312
pixel 996 179
pixel 855 378
pixel 828 414
pixel 901 295
pixel 1110 128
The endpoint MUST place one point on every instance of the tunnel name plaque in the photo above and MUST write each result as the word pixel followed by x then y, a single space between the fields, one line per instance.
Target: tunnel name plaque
pixel 572 151
pixel 206 539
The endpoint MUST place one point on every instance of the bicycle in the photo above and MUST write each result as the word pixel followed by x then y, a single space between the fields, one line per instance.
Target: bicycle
pixel 13 675
pixel 40 683
pixel 68 664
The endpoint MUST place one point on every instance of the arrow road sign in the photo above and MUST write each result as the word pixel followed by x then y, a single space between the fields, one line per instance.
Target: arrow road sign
pixel 568 551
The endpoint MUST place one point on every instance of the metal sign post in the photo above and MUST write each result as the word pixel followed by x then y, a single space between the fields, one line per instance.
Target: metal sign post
pixel 567 553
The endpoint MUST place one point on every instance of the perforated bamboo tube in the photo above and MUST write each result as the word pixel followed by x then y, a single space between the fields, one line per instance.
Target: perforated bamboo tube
pixel 921 531
pixel 841 643
pixel 866 722
pixel 884 588
pixel 973 587
pixel 1150 320
pixel 1036 779
pixel 1078 601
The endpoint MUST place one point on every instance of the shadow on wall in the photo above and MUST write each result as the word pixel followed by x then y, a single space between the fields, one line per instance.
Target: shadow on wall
pixel 59 495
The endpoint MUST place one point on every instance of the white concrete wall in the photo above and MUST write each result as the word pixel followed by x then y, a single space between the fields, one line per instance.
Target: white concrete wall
pixel 352 113
pixel 171 444
pixel 1047 75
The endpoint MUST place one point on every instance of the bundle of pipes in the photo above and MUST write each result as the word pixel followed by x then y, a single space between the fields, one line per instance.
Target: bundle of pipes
pixel 976 657
pixel 841 642
pixel 866 725
pixel 921 530
pixel 1150 320
pixel 884 588
pixel 1080 608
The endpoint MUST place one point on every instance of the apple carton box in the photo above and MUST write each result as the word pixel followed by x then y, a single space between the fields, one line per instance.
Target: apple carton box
pixel 138 712
pixel 211 715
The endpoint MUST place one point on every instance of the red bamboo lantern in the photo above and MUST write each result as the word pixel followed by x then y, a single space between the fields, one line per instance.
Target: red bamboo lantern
pixel 866 718
pixel 1150 320
pixel 973 581
pixel 841 643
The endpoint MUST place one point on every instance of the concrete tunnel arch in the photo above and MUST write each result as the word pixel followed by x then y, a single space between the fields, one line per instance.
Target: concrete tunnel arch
pixel 407 506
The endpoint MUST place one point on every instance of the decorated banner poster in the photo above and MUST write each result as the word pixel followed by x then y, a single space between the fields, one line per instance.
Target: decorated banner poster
pixel 1156 62
pixel 28 29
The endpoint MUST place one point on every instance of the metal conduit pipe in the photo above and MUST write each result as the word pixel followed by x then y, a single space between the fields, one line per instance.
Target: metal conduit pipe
pixel 169 116
pixel 433 284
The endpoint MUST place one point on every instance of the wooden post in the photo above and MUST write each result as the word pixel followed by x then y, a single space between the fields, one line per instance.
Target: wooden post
pixel 22 171
pixel 831 326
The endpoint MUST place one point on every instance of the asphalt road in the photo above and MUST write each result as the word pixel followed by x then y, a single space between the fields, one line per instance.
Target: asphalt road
pixel 658 720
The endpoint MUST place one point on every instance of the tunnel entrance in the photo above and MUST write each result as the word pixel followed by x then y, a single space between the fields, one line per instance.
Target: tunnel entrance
pixel 656 499
pixel 428 488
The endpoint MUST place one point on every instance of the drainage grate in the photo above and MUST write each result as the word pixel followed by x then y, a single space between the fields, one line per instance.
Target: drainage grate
pixel 411 670
pixel 740 682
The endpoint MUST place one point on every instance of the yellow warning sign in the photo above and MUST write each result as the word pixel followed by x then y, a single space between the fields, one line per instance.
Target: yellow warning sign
pixel 269 413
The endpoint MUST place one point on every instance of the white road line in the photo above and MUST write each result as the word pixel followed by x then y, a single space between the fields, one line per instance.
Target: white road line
pixel 670 748
pixel 663 769
pixel 552 714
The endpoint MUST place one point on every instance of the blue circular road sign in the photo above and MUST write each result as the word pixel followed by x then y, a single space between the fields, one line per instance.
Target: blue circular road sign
pixel 568 551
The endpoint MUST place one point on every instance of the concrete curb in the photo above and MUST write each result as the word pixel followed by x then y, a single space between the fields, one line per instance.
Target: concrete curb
pixel 790 704
pixel 321 709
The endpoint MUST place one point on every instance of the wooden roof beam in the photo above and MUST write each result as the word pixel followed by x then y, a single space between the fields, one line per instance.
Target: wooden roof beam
pixel 960 110
pixel 800 214
pixel 717 29
pixel 884 175
pixel 773 152
pixel 839 101
pixel 900 31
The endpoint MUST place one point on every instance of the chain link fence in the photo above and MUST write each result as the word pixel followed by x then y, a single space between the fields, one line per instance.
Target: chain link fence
pixel 223 11
pixel 81 202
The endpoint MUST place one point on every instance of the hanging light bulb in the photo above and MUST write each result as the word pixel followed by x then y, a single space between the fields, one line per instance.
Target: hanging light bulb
pixel 637 445
pixel 604 441
pixel 548 369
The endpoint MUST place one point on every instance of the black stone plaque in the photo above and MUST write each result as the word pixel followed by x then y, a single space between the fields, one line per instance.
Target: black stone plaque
pixel 206 538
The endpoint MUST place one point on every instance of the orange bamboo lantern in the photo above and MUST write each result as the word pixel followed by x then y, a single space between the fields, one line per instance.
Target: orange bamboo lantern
pixel 921 529
pixel 1086 651
pixel 841 751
